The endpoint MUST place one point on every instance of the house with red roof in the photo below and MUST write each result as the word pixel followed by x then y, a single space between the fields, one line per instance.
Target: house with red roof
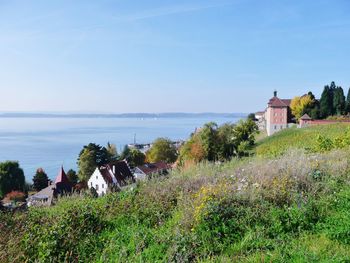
pixel 110 176
pixel 147 170
pixel 46 196
pixel 277 114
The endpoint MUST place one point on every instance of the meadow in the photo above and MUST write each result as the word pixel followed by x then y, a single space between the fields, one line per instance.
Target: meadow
pixel 293 206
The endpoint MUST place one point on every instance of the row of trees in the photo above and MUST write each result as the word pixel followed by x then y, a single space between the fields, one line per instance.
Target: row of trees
pixel 219 143
pixel 332 102
pixel 211 143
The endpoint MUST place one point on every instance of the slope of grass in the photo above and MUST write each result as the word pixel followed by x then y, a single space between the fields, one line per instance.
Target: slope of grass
pixel 305 138
pixel 290 208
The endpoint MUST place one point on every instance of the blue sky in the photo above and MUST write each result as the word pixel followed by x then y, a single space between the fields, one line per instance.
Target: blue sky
pixel 168 56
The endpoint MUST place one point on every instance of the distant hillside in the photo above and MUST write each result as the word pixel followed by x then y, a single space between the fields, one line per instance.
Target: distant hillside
pixel 123 115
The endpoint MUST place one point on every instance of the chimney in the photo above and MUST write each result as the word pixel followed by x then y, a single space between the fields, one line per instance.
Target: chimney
pixel 275 93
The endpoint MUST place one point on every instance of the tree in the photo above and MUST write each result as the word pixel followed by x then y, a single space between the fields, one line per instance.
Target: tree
pixel 244 136
pixel 40 179
pixel 338 101
pixel 162 150
pixel 251 116
pixel 125 153
pixel 133 156
pixel 11 178
pixel 326 102
pixel 112 151
pixel 348 102
pixel 90 157
pixel 72 177
pixel 136 158
pixel 299 105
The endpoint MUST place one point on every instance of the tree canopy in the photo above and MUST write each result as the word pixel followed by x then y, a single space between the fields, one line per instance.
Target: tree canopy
pixel 40 179
pixel 162 150
pixel 90 157
pixel 11 178
pixel 72 176
pixel 214 143
pixel 299 105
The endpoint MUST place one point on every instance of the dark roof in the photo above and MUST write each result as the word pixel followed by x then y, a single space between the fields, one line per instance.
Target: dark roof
pixel 106 174
pixel 151 168
pixel 62 177
pixel 306 117
pixel 121 171
pixel 277 102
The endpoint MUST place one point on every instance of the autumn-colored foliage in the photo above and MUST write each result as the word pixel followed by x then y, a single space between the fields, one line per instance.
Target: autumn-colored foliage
pixel 16 196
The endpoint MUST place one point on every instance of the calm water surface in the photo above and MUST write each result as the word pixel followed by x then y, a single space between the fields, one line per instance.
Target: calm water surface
pixel 52 142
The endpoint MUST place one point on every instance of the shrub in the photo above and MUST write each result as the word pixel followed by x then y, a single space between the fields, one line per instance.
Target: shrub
pixel 16 196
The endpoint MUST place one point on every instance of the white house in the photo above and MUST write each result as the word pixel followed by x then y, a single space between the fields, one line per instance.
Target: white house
pixel 106 177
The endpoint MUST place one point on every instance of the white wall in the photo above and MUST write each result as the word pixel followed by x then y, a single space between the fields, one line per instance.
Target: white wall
pixel 96 180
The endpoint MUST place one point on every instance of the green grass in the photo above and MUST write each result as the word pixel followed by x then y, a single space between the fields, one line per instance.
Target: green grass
pixel 289 208
pixel 305 138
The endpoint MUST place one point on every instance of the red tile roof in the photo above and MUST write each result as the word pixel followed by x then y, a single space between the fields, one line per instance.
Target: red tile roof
pixel 151 168
pixel 62 177
pixel 306 117
pixel 277 102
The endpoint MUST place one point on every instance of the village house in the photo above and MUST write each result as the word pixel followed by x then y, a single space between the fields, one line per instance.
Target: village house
pixel 147 170
pixel 111 176
pixel 276 117
pixel 46 196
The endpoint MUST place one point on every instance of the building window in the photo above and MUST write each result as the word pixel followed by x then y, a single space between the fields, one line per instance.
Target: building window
pixel 281 120
pixel 96 177
pixel 281 127
pixel 91 184
pixel 97 187
pixel 275 127
pixel 103 186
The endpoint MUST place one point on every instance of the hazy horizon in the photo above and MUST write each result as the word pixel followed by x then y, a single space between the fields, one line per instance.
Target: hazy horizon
pixel 168 56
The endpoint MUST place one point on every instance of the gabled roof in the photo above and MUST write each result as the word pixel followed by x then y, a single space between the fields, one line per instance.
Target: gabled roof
pixel 277 102
pixel 106 174
pixel 306 117
pixel 151 168
pixel 121 172
pixel 62 177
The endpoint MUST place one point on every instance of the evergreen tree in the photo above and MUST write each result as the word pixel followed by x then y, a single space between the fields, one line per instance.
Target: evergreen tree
pixel 348 102
pixel 90 157
pixel 326 102
pixel 338 101
pixel 40 179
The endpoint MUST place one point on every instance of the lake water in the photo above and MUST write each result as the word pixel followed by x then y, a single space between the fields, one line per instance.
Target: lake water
pixel 52 142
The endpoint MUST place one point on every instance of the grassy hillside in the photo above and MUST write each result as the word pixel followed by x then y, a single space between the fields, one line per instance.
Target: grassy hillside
pixel 305 138
pixel 290 208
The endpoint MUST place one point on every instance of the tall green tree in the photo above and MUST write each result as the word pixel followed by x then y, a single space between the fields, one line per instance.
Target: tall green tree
pixel 326 102
pixel 40 179
pixel 348 102
pixel 90 157
pixel 11 178
pixel 162 150
pixel 339 102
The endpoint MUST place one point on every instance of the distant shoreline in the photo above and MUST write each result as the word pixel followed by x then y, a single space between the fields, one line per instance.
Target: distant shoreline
pixel 121 115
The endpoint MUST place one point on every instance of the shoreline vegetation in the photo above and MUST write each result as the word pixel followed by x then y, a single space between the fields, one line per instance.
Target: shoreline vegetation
pixel 267 206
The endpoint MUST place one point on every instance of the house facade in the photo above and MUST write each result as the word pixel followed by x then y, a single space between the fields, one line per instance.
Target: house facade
pixel 277 115
pixel 107 177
